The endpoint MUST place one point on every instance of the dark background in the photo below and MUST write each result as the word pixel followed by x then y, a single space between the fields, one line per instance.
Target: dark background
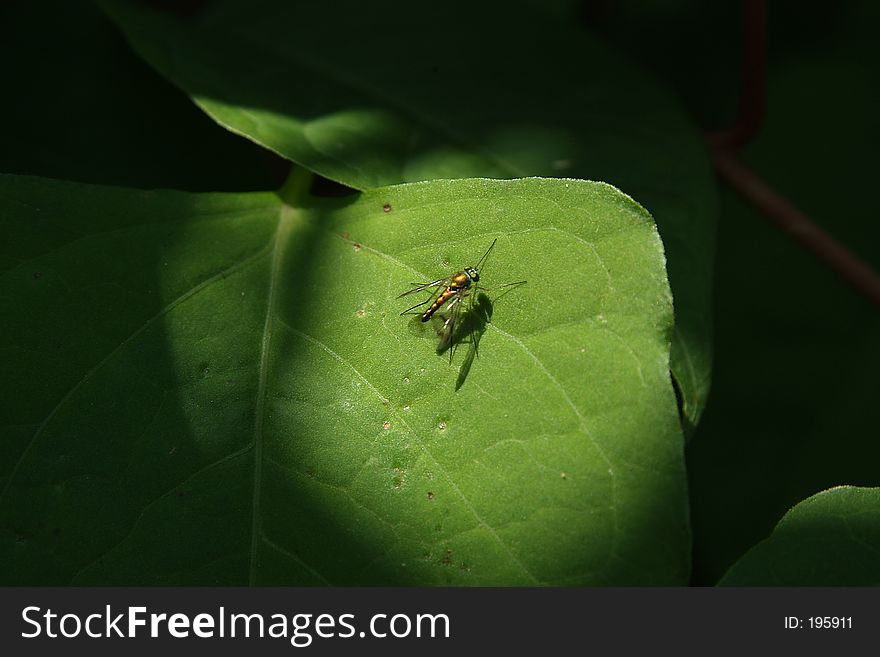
pixel 793 408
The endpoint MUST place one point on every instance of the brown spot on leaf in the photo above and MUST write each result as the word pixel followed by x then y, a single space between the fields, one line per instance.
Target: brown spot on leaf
pixel 386 207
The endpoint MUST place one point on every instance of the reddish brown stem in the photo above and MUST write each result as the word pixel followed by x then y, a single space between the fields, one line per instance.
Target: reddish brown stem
pixel 785 215
pixel 776 207
pixel 753 94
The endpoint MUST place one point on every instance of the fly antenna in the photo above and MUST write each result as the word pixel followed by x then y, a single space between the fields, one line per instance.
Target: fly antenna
pixel 483 259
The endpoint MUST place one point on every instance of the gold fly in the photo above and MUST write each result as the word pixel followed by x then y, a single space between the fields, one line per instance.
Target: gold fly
pixel 448 294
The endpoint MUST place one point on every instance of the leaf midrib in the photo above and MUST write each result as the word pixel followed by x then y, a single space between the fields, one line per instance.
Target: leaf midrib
pixel 279 242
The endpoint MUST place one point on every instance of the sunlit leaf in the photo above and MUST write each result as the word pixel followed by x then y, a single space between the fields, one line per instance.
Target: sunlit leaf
pixel 220 389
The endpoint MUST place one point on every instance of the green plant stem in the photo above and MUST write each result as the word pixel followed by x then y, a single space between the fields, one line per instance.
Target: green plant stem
pixel 295 189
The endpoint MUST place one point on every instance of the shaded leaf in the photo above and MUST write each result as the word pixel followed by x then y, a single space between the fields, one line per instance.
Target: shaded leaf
pixel 830 539
pixel 219 388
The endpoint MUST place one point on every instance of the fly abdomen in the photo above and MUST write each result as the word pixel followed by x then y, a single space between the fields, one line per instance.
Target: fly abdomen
pixel 461 281
pixel 447 294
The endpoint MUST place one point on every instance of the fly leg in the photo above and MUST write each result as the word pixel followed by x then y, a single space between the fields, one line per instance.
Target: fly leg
pixel 417 305
pixel 436 293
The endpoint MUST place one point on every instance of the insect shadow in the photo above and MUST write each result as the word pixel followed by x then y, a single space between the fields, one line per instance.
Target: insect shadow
pixel 473 325
pixel 470 329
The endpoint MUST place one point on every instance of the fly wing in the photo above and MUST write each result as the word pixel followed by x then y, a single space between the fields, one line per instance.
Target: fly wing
pixel 424 286
pixel 450 324
pixel 436 292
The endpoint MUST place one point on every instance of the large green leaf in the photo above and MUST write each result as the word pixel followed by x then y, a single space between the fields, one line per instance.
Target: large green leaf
pixel 219 388
pixel 830 539
pixel 396 92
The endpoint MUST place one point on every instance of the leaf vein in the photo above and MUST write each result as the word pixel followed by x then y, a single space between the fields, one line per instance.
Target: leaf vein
pixel 296 558
pixel 149 322
pixel 157 499
pixel 583 426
